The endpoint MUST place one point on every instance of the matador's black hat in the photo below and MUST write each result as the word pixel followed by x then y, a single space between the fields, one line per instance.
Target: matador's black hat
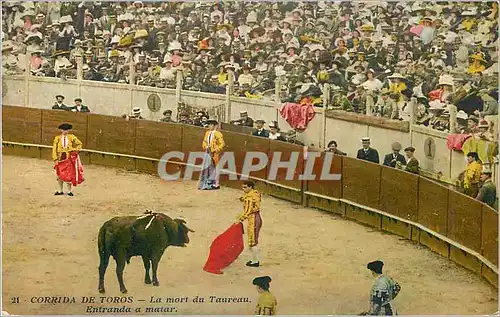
pixel 214 122
pixel 262 282
pixel 375 266
pixel 65 126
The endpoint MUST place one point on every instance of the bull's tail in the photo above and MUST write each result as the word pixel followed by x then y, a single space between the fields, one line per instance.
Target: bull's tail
pixel 101 241
pixel 104 254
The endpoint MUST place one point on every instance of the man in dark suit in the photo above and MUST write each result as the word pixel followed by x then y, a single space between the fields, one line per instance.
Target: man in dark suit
pixel 367 153
pixel 79 107
pixel 259 129
pixel 244 120
pixel 59 105
pixel 412 164
pixel 395 159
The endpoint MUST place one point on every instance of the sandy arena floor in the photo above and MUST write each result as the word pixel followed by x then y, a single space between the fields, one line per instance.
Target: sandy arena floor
pixel 317 261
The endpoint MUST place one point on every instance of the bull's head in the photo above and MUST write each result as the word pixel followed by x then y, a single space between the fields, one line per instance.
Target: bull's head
pixel 183 231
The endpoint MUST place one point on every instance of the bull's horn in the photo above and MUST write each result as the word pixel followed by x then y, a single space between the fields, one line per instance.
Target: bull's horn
pixel 191 230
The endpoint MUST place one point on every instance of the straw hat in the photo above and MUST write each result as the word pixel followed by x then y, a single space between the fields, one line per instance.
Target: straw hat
pixel 140 34
pixel 7 46
pixel 446 80
pixel 396 76
pixel 462 115
pixel 66 19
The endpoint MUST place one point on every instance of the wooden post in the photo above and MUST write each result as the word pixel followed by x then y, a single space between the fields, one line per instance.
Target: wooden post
pixel 229 92
pixel 277 96
pixel 369 104
pixel 413 111
pixel 453 118
pixel 178 85
pixel 326 101
pixel 79 68
pixel 27 74
pixel 131 75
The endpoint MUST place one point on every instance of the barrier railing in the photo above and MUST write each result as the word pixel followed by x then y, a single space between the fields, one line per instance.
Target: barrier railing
pixel 449 223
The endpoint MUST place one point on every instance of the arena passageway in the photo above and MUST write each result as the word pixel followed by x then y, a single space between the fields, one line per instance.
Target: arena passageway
pixel 317 261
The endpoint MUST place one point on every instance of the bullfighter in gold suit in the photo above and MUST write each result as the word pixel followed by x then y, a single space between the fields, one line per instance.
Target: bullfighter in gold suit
pixel 251 212
pixel 213 143
pixel 62 147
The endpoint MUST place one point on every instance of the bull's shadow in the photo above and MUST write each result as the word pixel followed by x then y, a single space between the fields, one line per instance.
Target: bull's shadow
pixel 147 236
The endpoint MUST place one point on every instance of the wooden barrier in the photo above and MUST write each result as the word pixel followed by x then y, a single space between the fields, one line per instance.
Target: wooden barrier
pixel 433 216
pixel 255 144
pixel 361 181
pixel 464 220
pixel 21 124
pixel 489 234
pixel 113 134
pixel 192 139
pixel 51 120
pixel 397 199
pixel 448 222
pixel 154 139
pixel 330 188
pixel 235 147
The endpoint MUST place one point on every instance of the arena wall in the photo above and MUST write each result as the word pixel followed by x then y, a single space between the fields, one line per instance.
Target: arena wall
pixel 346 128
pixel 449 223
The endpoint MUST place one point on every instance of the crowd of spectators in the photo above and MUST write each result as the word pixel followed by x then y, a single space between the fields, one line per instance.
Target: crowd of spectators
pixel 376 57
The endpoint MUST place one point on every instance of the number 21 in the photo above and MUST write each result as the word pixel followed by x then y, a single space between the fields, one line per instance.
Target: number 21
pixel 15 300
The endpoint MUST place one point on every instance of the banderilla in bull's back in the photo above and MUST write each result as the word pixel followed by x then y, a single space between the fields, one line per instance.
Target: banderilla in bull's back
pixel 147 236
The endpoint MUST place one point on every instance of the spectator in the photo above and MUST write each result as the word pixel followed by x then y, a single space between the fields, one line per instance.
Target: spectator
pixel 340 44
pixel 488 191
pixel 59 105
pixel 136 113
pixel 332 147
pixel 244 120
pixel 395 159
pixel 472 174
pixel 367 153
pixel 259 129
pixel 274 133
pixel 79 107
pixel 167 116
pixel 184 119
pixel 412 163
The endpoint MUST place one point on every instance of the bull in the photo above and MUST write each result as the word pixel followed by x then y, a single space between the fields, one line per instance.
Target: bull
pixel 147 236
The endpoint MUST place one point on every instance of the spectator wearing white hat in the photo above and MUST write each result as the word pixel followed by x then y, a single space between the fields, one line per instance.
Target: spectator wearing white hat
pixel 136 113
pixel 7 57
pixel 77 51
pixel 368 153
pixel 168 73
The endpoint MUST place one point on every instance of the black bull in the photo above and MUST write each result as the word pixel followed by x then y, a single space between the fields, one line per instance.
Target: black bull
pixel 147 236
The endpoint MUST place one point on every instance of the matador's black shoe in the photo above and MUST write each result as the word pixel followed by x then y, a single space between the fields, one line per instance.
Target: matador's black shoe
pixel 249 263
pixel 70 194
pixel 58 193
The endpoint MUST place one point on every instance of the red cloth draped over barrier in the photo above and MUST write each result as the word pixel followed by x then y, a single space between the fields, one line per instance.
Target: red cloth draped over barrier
pixel 70 170
pixel 297 115
pixel 225 249
pixel 456 141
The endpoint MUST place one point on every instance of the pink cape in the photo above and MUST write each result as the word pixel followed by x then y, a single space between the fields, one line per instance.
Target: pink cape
pixel 298 116
pixel 70 170
pixel 225 249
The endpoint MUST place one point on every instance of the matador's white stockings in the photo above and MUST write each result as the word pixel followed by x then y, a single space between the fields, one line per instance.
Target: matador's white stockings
pixel 61 186
pixel 255 254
